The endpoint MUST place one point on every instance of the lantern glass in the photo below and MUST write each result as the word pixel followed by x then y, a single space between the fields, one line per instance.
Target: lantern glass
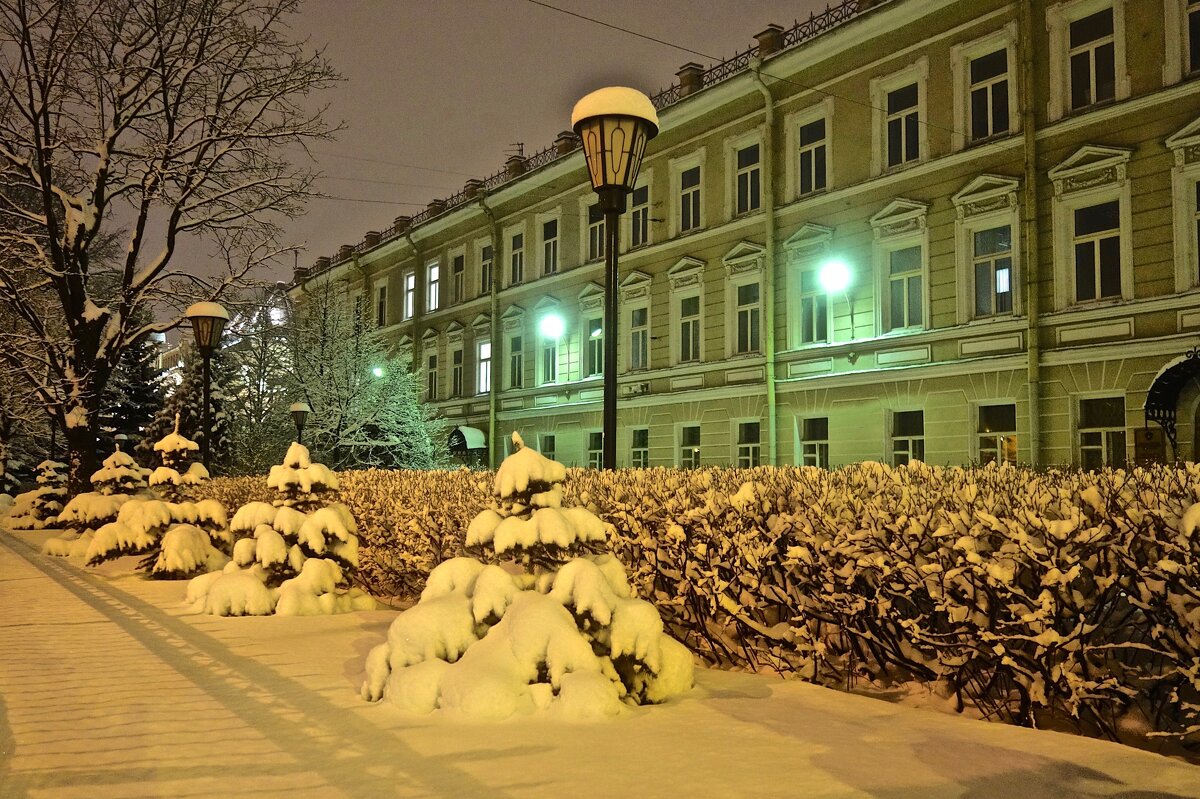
pixel 613 146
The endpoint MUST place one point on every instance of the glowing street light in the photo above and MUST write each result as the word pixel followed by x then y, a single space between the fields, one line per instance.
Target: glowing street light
pixel 551 326
pixel 208 321
pixel 377 371
pixel 300 412
pixel 835 277
pixel 613 124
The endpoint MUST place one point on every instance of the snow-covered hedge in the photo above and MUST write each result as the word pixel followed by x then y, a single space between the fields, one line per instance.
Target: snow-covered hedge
pixel 1018 592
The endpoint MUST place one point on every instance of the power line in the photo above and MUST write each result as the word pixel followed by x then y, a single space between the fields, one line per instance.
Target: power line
pixel 389 163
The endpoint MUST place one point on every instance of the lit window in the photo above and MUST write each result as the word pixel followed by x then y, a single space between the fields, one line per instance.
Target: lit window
pixel 749 177
pixel 594 350
pixel 903 125
pixel 689 447
pixel 516 260
pixel 689 199
pixel 485 269
pixel 989 95
pixel 689 329
pixel 749 447
pixel 1092 58
pixel 550 247
pixel 814 442
pixel 640 454
pixel 410 295
pixel 812 157
pixel 595 233
pixel 639 232
pixel 516 363
pixel 748 312
pixel 997 433
pixel 1102 433
pixel 814 308
pixel 905 305
pixel 993 271
pixel 639 338
pixel 381 306
pixel 483 382
pixel 595 450
pixel 908 437
pixel 432 286
pixel 456 373
pixel 1097 245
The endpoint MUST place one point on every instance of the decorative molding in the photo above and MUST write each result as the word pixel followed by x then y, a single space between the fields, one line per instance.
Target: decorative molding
pixel 801 368
pixel 483 320
pixel 513 318
pixel 1188 320
pixel 754 375
pixel 691 381
pixel 591 297
pixel 745 257
pixel 1091 165
pixel 899 217
pixel 635 286
pixel 986 194
pixel 810 237
pixel 512 404
pixel 686 272
pixel 983 346
pixel 1118 328
pixel 905 356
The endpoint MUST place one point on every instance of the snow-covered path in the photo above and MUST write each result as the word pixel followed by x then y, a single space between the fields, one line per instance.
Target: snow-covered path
pixel 110 688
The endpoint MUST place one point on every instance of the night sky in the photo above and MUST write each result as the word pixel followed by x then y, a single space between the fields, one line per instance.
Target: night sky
pixel 452 85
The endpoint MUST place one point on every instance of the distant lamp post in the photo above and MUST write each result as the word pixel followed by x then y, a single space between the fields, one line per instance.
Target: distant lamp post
pixel 300 412
pixel 377 371
pixel 208 321
pixel 614 124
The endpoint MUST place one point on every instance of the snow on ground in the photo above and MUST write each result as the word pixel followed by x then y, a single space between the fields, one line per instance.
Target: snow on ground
pixel 269 706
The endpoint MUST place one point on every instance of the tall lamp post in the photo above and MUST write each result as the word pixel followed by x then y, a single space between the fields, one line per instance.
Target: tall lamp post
pixel 300 412
pixel 614 124
pixel 208 320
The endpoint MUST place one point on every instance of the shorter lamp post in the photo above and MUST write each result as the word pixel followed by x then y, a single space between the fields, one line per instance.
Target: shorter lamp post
pixel 613 124
pixel 300 412
pixel 208 320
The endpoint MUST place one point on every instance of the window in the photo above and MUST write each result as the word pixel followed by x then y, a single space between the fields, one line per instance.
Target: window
pixel 1097 244
pixel 410 295
pixel 689 199
pixel 381 306
pixel 997 431
pixel 993 271
pixel 549 360
pixel 1092 59
pixel 1193 36
pixel 431 378
pixel 689 446
pixel 456 373
pixel 595 241
pixel 431 287
pixel 640 450
pixel 749 448
pixel 689 329
pixel 483 373
pixel 594 351
pixel 1196 228
pixel 595 450
pixel 546 443
pixel 1102 433
pixel 903 128
pixel 639 338
pixel 812 157
pixel 458 269
pixel 550 247
pixel 908 437
pixel 639 217
pixel 485 269
pixel 905 301
pixel 516 363
pixel 814 308
pixel 516 260
pixel 989 95
pixel 748 312
pixel 814 442
pixel 748 178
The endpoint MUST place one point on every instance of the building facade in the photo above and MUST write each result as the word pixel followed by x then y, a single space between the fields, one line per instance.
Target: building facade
pixel 1009 193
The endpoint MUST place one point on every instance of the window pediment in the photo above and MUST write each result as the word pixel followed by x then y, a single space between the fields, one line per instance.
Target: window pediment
pixel 899 217
pixel 1091 165
pixel 454 333
pixel 636 285
pixel 687 271
pixel 483 320
pixel 428 336
pixel 807 238
pixel 591 297
pixel 984 194
pixel 513 318
pixel 746 256
pixel 1185 144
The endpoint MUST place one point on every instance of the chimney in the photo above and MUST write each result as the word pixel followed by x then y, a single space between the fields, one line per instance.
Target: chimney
pixel 565 143
pixel 344 252
pixel 691 78
pixel 300 274
pixel 435 207
pixel 514 166
pixel 472 187
pixel 321 264
pixel 401 224
pixel 770 41
pixel 372 238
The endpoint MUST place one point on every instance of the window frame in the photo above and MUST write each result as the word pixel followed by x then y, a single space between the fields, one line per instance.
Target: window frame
pixel 639 456
pixel 894 437
pixel 746 454
pixel 550 250
pixel 409 305
pixel 881 87
pixel 586 251
pixel 516 360
pixel 595 457
pixel 687 281
pixel 458 358
pixel 744 265
pixel 733 146
pixel 433 271
pixel 431 374
pixel 821 453
pixel 694 459
pixel 1078 431
pixel 987 202
pixel 900 225
pixel 381 315
pixel 961 56
pixel 515 273
pixel 483 365
pixel 458 275
pixel 977 434
pixel 645 181
pixel 1185 175
pixel 487 266
pixel 795 122
pixel 550 452
pixel 1058 23
pixel 677 167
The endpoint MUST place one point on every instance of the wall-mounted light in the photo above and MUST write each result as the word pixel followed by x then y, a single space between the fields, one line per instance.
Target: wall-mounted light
pixel 551 326
pixel 835 277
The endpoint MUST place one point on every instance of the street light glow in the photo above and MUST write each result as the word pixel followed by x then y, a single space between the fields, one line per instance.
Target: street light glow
pixel 834 276
pixel 377 371
pixel 552 326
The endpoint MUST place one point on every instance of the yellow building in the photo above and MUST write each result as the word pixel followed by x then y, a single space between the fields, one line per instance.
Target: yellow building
pixel 1011 188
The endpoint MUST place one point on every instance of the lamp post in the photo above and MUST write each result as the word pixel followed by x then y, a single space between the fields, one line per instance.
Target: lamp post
pixel 300 412
pixel 613 124
pixel 208 320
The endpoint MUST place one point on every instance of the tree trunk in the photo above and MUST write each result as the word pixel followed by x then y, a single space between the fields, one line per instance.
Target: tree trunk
pixel 81 455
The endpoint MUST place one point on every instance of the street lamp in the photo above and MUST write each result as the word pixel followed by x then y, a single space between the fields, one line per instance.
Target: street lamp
pixel 300 412
pixel 835 277
pixel 208 320
pixel 613 124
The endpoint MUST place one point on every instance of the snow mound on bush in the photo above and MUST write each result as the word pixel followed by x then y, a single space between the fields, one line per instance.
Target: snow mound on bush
pixel 186 550
pixel 315 592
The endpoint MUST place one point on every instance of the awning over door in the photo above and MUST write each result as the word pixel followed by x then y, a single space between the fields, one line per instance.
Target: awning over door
pixel 463 439
pixel 1162 400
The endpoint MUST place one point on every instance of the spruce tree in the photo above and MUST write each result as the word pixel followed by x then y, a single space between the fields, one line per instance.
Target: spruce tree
pixel 133 396
pixel 187 401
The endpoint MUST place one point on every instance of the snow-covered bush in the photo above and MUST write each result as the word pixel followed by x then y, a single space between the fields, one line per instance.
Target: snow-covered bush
pixel 294 557
pixel 118 474
pixel 39 508
pixel 559 629
pixel 117 479
pixel 177 479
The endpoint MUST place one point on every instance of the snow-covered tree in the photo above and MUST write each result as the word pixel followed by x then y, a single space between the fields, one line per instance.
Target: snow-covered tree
pixel 367 403
pixel 133 396
pixel 39 508
pixel 548 624
pixel 292 558
pixel 183 410
pixel 174 118
pixel 178 476
pixel 257 385
pixel 114 483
